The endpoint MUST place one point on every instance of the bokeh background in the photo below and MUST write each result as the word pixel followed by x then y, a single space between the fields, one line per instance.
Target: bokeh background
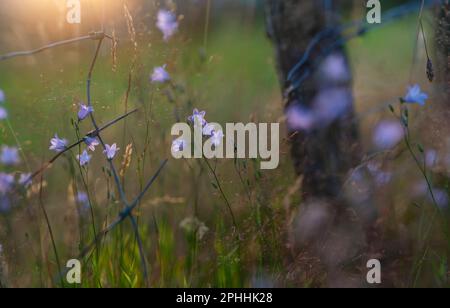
pixel 220 61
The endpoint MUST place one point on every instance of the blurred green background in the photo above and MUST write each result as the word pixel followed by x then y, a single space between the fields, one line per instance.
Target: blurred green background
pixel 223 65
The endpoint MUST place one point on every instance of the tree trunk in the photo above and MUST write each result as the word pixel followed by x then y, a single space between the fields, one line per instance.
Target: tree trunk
pixel 320 119
pixel 443 48
pixel 319 112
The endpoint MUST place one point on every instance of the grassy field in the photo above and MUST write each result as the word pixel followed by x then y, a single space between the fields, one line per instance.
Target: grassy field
pixel 188 236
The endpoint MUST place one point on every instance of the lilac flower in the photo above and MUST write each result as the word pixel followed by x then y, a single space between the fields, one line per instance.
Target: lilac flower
pixel 441 198
pixel 84 112
pixel 299 118
pixel 334 69
pixel 25 179
pixel 58 145
pixel 5 203
pixel 167 23
pixel 9 156
pixel 431 158
pixel 331 104
pixel 178 145
pixel 6 182
pixel 2 96
pixel 111 151
pixel 160 75
pixel 198 117
pixel 217 137
pixel 82 197
pixel 415 96
pixel 387 134
pixel 208 129
pixel 84 158
pixel 3 113
pixel 91 143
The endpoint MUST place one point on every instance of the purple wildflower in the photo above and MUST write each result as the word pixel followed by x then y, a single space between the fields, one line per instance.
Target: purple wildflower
pixel 9 156
pixel 415 96
pixel 299 118
pixel 91 143
pixel 441 198
pixel 331 104
pixel 57 144
pixel 84 112
pixel 6 182
pixel 208 129
pixel 3 113
pixel 334 69
pixel 160 75
pixel 178 145
pixel 5 203
pixel 217 137
pixel 387 134
pixel 431 158
pixel 84 158
pixel 198 117
pixel 82 197
pixel 167 23
pixel 111 151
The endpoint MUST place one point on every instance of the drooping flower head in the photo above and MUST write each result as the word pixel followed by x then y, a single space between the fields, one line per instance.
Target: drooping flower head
pixel 198 118
pixel 387 134
pixel 2 96
pixel 91 143
pixel 9 156
pixel 167 23
pixel 58 145
pixel 3 113
pixel 415 96
pixel 111 151
pixel 84 158
pixel 160 75
pixel 84 112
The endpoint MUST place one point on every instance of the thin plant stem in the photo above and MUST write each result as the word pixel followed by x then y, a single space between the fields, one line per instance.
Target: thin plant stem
pixel 230 210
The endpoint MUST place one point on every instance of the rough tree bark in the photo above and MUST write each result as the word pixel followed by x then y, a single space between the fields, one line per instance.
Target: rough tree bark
pixel 324 154
pixel 443 47
pixel 322 130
